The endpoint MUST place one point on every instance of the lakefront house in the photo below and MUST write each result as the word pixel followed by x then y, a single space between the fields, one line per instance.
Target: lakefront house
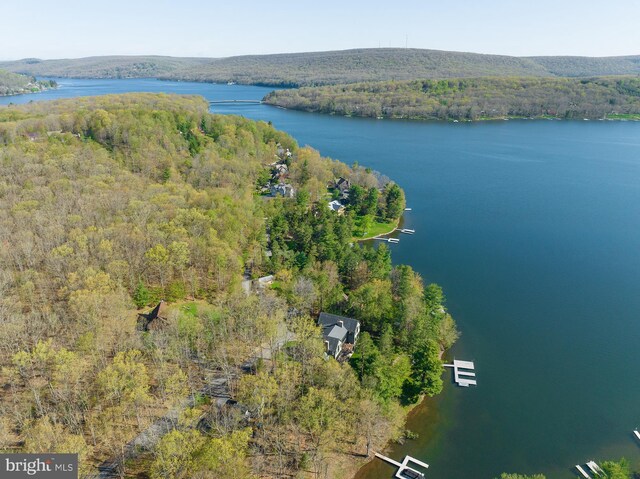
pixel 339 333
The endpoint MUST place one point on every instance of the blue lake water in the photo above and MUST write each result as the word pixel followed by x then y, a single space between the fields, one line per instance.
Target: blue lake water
pixel 533 230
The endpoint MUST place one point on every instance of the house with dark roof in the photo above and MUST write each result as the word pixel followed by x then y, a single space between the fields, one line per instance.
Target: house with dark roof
pixel 153 320
pixel 339 332
pixel 343 184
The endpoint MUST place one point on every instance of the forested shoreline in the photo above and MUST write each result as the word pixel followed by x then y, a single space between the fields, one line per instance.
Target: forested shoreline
pixel 472 99
pixel 109 205
pixel 16 84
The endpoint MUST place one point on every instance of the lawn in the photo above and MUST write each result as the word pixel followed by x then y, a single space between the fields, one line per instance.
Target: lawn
pixel 376 228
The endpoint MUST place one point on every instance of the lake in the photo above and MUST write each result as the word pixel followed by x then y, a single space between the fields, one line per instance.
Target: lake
pixel 533 230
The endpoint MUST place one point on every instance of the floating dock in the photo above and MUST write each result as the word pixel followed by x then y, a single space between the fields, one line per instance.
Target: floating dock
pixel 583 472
pixel 404 471
pixel 407 209
pixel 407 231
pixel 463 372
pixel 595 468
pixel 388 240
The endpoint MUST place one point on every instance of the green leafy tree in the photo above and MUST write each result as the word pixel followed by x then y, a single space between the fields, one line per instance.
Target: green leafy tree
pixel 174 454
pixel 394 201
pixel 141 295
pixel 617 469
pixel 125 382
pixel 426 376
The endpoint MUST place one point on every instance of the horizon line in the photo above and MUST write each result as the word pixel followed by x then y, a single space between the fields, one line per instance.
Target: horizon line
pixel 133 55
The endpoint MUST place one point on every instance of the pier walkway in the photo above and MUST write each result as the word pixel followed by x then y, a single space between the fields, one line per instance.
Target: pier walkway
pixel 246 102
pixel 463 372
pixel 404 471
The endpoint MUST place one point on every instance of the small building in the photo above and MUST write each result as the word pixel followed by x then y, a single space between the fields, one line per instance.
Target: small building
pixel 265 281
pixel 283 189
pixel 336 206
pixel 339 332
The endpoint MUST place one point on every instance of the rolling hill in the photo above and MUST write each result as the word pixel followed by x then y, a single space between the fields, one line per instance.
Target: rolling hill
pixel 102 67
pixel 326 68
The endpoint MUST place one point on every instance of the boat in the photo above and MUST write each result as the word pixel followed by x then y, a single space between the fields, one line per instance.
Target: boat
pixel 637 434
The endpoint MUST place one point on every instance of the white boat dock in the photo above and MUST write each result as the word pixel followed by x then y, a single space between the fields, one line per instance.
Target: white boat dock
pixel 404 471
pixel 583 472
pixel 637 434
pixel 388 240
pixel 407 231
pixel 595 468
pixel 407 209
pixel 463 371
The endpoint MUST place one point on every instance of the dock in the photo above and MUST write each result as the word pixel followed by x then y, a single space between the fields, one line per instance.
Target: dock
pixel 463 372
pixel 404 471
pixel 637 434
pixel 407 231
pixel 388 240
pixel 407 209
pixel 241 102
pixel 583 472
pixel 595 468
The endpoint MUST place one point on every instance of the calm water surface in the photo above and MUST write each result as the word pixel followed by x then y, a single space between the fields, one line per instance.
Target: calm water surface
pixel 533 230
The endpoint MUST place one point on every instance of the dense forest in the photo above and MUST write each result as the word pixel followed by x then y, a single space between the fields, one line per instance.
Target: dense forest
pixel 15 84
pixel 149 66
pixel 348 66
pixel 568 66
pixel 327 68
pixel 109 205
pixel 472 99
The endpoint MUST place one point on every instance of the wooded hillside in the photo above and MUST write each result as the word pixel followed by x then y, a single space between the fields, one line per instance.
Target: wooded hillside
pixel 149 66
pixel 110 204
pixel 15 84
pixel 472 99
pixel 331 67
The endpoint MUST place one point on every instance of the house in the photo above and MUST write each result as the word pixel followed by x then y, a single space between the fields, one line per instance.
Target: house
pixel 343 185
pixel 283 189
pixel 280 170
pixel 152 320
pixel 282 152
pixel 339 332
pixel 336 206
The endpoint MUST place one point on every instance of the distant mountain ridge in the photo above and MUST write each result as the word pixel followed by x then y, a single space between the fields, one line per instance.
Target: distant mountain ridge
pixel 331 67
pixel 148 66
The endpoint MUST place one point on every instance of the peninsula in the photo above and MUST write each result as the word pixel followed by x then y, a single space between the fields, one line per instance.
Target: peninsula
pixel 16 84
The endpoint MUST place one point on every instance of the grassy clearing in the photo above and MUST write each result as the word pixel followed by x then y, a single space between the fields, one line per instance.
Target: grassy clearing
pixel 376 228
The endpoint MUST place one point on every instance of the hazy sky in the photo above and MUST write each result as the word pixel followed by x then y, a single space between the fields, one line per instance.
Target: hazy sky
pixel 75 28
